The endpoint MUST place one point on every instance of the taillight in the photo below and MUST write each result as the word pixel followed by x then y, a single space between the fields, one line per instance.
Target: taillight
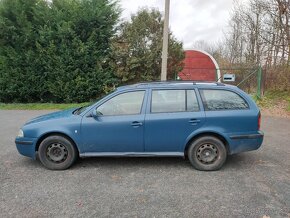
pixel 259 121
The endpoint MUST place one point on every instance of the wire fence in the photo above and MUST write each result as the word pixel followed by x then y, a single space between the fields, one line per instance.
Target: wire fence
pixel 248 79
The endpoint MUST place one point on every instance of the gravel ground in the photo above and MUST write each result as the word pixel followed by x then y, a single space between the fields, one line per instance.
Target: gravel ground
pixel 252 184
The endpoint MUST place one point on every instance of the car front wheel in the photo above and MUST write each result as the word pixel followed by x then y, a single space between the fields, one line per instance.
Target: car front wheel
pixel 57 152
pixel 207 153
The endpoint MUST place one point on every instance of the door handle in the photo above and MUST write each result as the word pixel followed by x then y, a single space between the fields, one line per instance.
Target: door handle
pixel 194 121
pixel 136 124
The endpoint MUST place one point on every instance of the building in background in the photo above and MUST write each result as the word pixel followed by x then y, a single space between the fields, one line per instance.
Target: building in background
pixel 199 65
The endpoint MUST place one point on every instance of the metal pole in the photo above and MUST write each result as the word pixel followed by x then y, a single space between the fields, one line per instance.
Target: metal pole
pixel 259 78
pixel 165 42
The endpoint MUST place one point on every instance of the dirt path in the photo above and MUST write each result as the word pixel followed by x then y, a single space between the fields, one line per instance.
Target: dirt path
pixel 278 110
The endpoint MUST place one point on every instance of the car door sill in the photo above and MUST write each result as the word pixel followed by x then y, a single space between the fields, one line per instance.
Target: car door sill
pixel 131 154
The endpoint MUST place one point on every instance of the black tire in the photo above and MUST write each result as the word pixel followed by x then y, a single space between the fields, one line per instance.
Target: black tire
pixel 207 153
pixel 57 152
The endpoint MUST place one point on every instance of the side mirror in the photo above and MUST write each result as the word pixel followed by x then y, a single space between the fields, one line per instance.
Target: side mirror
pixel 95 114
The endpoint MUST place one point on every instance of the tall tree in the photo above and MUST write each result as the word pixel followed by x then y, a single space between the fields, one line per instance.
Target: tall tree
pixel 259 32
pixel 137 48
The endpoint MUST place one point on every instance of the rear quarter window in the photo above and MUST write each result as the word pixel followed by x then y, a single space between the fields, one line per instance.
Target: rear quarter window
pixel 214 99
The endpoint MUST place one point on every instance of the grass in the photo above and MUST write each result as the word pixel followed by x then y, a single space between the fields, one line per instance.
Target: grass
pixel 272 98
pixel 40 106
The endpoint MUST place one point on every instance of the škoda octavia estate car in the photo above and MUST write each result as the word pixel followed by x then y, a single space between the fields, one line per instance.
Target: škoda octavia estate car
pixel 204 121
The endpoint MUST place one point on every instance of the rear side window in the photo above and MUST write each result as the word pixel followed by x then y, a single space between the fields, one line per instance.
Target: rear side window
pixel 222 100
pixel 191 100
pixel 166 101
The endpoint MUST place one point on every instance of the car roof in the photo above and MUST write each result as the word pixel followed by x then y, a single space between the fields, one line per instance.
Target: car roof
pixel 174 84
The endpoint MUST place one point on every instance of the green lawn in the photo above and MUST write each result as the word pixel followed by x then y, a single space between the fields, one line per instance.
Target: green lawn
pixel 39 106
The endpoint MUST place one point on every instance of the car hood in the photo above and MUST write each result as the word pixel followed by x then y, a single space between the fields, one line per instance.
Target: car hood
pixel 52 116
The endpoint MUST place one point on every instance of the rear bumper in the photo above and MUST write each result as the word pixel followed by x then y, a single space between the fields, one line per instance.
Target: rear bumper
pixel 245 142
pixel 26 146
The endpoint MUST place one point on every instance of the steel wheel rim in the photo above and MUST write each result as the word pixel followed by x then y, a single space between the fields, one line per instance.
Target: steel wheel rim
pixel 207 153
pixel 56 152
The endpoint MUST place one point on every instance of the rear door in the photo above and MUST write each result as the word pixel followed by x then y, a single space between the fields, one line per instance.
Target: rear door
pixel 171 116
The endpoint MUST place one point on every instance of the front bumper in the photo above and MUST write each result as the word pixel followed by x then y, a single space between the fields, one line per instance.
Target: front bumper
pixel 26 146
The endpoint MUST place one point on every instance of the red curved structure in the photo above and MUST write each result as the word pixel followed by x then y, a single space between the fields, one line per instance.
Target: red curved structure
pixel 198 66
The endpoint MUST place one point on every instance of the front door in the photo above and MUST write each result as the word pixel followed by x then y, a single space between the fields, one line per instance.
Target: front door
pixel 118 126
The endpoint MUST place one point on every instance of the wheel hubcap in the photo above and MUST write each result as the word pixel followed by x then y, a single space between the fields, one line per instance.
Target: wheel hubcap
pixel 207 153
pixel 57 152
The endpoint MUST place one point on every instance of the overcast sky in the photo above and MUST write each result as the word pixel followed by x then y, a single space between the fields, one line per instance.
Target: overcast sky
pixel 190 20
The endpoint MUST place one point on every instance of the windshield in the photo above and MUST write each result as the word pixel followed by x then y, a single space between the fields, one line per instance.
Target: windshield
pixel 83 108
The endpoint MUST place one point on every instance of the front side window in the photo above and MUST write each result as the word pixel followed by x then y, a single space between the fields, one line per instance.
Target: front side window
pixel 128 103
pixel 222 100
pixel 166 101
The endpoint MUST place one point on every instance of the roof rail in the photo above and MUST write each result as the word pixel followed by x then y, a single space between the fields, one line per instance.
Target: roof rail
pixel 208 82
pixel 162 82
pixel 175 82
pixel 179 81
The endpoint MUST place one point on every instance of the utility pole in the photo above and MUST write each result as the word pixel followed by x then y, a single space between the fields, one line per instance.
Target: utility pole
pixel 165 42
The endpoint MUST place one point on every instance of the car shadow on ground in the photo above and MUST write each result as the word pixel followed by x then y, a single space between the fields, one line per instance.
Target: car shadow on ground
pixel 233 162
pixel 146 162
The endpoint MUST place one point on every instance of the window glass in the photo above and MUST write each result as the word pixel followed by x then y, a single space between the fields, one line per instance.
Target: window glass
pixel 222 100
pixel 123 104
pixel 192 103
pixel 168 101
pixel 165 101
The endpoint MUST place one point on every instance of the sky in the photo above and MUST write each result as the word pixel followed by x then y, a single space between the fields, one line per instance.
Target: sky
pixel 190 20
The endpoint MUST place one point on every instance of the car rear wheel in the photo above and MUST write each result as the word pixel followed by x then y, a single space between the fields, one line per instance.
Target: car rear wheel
pixel 57 152
pixel 207 153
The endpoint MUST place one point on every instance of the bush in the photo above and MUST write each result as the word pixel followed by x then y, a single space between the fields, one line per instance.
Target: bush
pixel 277 78
pixel 55 51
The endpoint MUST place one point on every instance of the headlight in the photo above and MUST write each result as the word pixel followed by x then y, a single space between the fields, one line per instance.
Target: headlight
pixel 20 134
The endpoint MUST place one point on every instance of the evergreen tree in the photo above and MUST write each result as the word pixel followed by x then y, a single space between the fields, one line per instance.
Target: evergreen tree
pixel 55 51
pixel 137 49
